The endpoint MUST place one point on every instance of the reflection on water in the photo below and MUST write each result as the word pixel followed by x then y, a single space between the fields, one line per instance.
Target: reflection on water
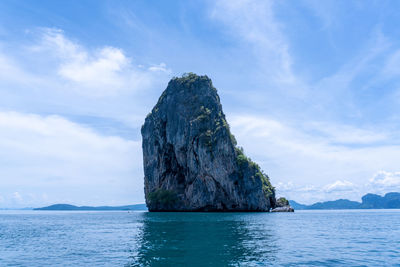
pixel 193 239
pixel 301 238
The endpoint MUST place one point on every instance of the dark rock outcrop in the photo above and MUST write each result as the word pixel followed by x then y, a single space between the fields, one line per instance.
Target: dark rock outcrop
pixel 283 209
pixel 191 162
pixel 282 202
pixel 282 205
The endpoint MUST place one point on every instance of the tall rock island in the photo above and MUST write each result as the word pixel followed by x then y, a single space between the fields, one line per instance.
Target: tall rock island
pixel 190 158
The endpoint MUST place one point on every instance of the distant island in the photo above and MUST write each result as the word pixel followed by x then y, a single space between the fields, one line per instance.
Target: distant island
pixel 105 208
pixel 369 201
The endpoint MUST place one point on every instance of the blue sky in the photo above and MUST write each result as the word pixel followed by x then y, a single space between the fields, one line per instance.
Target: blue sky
pixel 311 90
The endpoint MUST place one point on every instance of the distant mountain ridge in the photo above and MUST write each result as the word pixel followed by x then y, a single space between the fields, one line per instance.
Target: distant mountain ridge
pixel 72 207
pixel 369 201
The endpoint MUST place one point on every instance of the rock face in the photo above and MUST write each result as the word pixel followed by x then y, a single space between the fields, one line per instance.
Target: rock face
pixel 283 209
pixel 191 162
pixel 282 205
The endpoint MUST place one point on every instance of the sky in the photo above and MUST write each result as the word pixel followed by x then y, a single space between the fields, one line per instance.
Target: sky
pixel 311 90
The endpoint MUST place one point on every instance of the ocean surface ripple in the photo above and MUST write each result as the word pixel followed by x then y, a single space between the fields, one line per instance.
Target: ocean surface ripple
pixel 302 238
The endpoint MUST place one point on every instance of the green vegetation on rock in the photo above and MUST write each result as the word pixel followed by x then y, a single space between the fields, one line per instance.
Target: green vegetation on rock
pixel 209 138
pixel 245 162
pixel 190 78
pixel 204 113
pixel 186 138
pixel 228 128
pixel 163 197
pixel 281 202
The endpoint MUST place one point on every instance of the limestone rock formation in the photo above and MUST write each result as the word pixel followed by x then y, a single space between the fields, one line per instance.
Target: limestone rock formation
pixel 282 205
pixel 191 162
pixel 283 209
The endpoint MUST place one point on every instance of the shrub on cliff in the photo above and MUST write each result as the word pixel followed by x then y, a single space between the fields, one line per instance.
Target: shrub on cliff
pixel 163 197
pixel 245 162
pixel 281 202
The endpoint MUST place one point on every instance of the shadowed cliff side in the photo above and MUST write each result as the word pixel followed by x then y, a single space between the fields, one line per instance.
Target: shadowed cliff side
pixel 191 162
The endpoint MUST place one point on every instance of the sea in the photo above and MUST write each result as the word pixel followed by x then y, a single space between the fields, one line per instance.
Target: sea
pixel 302 238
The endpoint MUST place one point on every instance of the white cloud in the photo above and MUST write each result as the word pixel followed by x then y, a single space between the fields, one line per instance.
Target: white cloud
pixel 304 142
pixel 306 159
pixel 347 134
pixel 384 181
pixel 17 197
pixel 53 74
pixel 281 186
pixel 99 72
pixel 64 76
pixel 11 72
pixel 62 160
pixel 307 194
pixel 336 94
pixel 253 22
pixel 49 159
pixel 381 183
pixel 308 189
pixel 103 68
pixel 325 11
pixel 160 67
pixel 392 65
pixel 339 186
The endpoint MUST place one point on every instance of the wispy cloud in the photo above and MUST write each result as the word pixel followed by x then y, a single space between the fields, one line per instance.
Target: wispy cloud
pixel 392 65
pixel 254 23
pixel 298 155
pixel 340 185
pixel 100 72
pixel 12 73
pixel 340 88
pixel 66 160
pixel 384 181
pixel 317 134
pixel 326 12
pixel 380 183
pixel 17 197
pixel 52 74
pixel 309 194
pixel 309 141
pixel 341 134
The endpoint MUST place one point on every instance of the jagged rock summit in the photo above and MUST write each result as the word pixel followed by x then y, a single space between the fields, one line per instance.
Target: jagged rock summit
pixel 190 158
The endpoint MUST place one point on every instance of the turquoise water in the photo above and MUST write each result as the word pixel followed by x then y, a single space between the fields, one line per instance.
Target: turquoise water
pixel 303 238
